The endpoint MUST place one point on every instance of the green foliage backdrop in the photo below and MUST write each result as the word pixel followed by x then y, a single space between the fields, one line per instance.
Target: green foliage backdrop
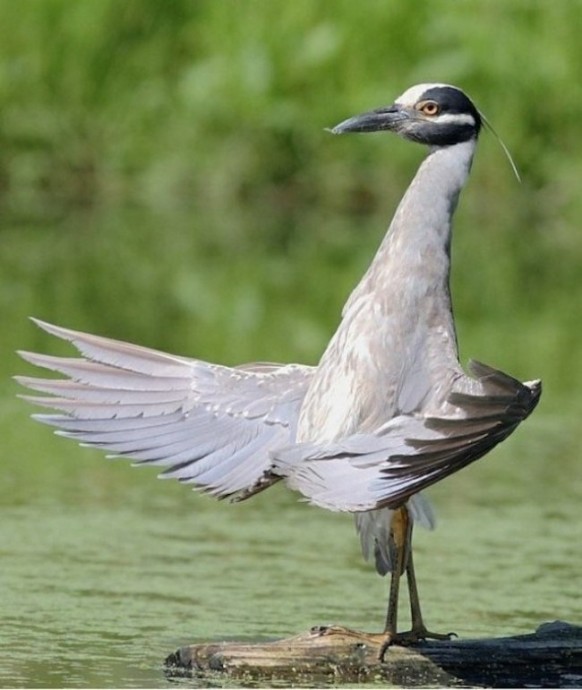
pixel 165 175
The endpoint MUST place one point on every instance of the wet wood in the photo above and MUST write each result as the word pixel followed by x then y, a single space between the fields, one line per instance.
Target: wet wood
pixel 549 657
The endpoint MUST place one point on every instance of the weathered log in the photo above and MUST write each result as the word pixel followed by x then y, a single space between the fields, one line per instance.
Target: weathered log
pixel 550 657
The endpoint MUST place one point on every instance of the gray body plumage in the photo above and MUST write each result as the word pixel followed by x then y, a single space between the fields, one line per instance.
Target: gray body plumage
pixel 387 411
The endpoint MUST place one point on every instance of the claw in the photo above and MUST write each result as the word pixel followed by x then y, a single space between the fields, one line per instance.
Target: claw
pixel 384 648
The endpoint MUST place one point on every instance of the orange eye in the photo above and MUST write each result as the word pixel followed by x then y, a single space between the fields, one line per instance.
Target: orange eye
pixel 430 108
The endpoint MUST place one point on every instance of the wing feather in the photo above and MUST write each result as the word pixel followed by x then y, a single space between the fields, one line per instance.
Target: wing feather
pixel 410 452
pixel 230 431
pixel 209 425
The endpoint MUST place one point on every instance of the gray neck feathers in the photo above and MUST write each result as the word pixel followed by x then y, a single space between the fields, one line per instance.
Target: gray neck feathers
pixel 416 248
pixel 426 210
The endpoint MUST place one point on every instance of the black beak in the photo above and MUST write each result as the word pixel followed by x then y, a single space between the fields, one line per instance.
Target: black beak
pixel 388 118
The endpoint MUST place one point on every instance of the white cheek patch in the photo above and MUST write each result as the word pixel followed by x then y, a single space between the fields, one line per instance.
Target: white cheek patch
pixel 454 118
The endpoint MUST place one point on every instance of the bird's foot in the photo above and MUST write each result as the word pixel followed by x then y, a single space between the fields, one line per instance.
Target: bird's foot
pixel 411 637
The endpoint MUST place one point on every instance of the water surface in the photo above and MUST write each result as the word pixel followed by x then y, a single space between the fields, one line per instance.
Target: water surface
pixel 106 570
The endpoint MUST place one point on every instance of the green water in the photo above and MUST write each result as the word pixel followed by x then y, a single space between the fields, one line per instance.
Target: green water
pixel 106 570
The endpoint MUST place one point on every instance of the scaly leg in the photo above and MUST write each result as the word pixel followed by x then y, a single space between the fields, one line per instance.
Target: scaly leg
pixel 401 551
pixel 419 630
pixel 400 535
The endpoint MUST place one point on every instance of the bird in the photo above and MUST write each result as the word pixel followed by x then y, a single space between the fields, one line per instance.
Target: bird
pixel 387 411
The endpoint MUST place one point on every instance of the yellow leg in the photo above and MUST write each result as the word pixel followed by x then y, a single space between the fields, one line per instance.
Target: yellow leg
pixel 400 535
pixel 400 532
pixel 419 630
pixel 401 553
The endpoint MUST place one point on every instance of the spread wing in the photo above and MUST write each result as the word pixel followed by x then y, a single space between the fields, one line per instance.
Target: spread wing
pixel 209 425
pixel 410 452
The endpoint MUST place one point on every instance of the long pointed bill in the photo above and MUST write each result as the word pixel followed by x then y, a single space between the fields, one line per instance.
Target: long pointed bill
pixel 388 118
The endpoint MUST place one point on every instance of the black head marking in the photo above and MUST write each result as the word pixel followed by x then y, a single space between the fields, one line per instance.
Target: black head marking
pixel 453 101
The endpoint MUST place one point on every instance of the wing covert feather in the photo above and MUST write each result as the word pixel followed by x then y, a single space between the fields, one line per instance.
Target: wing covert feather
pixel 410 452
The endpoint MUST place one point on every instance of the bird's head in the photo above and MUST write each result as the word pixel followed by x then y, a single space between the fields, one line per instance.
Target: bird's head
pixel 431 114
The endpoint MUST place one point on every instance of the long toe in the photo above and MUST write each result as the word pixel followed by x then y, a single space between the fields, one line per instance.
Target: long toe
pixel 411 637
pixel 416 635
pixel 424 634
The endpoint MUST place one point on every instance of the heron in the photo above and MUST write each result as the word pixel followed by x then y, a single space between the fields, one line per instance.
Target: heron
pixel 387 412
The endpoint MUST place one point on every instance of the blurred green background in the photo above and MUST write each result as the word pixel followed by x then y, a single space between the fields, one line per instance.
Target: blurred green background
pixel 166 178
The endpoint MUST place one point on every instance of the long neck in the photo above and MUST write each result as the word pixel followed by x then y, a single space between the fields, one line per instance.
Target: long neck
pixel 425 212
pixel 416 248
pixel 395 348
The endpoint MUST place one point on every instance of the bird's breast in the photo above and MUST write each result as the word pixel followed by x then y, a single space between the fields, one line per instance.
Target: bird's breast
pixel 384 359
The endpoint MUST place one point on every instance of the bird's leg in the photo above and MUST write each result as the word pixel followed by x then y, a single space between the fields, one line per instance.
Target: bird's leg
pixel 419 630
pixel 401 552
pixel 400 534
